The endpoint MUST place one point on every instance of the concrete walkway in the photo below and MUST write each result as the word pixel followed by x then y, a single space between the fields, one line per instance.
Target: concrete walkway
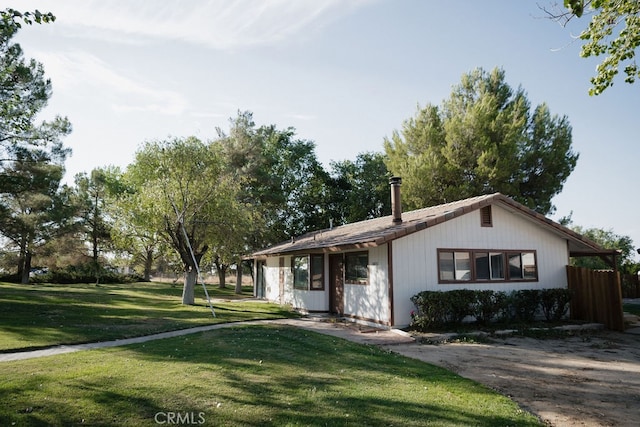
pixel 349 331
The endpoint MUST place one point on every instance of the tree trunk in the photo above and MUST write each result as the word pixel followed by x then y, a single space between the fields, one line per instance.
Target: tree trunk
pixel 222 273
pixel 239 278
pixel 22 258
pixel 27 268
pixel 148 263
pixel 188 291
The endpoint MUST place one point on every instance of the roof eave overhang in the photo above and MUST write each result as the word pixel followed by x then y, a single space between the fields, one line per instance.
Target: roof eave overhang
pixel 315 250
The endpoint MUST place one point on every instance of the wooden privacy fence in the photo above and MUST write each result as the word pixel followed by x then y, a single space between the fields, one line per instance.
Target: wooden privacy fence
pixel 597 297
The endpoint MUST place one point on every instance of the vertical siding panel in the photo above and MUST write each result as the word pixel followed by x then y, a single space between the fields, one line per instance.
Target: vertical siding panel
pixel 415 256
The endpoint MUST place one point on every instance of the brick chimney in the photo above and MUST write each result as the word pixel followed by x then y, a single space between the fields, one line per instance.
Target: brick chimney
pixel 396 207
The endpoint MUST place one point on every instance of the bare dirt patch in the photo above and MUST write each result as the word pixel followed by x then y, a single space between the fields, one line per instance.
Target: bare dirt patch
pixel 586 380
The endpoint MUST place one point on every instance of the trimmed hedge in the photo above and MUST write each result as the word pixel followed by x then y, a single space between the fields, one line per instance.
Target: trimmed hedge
pixel 435 308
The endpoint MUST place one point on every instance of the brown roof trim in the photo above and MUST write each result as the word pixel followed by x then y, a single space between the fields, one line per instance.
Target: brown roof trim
pixel 378 231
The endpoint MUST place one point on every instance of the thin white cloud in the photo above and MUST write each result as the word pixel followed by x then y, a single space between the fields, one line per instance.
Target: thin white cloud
pixel 207 115
pixel 221 24
pixel 299 116
pixel 83 73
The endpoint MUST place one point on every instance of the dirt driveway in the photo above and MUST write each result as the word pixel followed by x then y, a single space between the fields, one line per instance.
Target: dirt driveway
pixel 589 380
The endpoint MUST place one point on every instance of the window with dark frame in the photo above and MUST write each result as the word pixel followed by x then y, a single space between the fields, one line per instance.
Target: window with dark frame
pixel 317 272
pixel 477 265
pixel 308 272
pixel 356 268
pixel 300 266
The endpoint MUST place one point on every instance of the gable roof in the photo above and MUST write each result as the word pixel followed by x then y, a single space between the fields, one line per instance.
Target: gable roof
pixel 378 231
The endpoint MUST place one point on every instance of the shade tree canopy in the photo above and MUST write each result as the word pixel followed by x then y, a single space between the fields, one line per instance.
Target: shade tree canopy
pixel 34 207
pixel 612 33
pixel 484 138
pixel 179 188
pixel 24 92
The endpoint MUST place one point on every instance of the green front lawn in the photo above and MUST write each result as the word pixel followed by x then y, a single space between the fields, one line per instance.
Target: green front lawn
pixel 246 376
pixel 33 316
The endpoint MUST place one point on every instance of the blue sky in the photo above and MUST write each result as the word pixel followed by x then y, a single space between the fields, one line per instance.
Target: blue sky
pixel 344 73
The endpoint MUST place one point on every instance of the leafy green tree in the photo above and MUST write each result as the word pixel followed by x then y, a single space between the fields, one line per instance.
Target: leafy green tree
pixel 15 18
pixel 95 192
pixel 360 188
pixel 302 182
pixel 282 179
pixel 283 188
pixel 24 92
pixel 483 139
pixel 608 240
pixel 241 151
pixel 179 187
pixel 612 33
pixel 33 205
pixel 34 208
pixel 135 234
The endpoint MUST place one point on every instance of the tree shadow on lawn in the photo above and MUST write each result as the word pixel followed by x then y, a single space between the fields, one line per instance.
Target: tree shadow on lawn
pixel 270 375
pixel 62 317
pixel 75 402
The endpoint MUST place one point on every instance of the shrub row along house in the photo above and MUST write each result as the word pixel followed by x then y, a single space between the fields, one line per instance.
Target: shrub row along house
pixel 369 270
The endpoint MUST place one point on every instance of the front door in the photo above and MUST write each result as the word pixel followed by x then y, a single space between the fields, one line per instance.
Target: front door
pixel 336 284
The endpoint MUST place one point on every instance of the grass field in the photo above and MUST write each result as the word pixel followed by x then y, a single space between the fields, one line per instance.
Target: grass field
pixel 34 316
pixel 237 376
pixel 246 376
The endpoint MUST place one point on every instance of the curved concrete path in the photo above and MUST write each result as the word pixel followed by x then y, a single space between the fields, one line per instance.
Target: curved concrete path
pixel 349 331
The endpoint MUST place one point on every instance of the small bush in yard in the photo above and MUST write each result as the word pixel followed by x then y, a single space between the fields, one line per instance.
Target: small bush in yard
pixel 459 304
pixel 489 306
pixel 430 310
pixel 524 304
pixel 555 303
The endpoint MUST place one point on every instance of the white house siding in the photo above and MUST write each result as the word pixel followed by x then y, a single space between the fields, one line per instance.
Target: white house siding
pixel 299 299
pixel 271 275
pixel 415 261
pixel 371 301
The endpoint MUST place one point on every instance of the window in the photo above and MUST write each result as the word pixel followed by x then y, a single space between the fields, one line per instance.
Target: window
pixel 522 265
pixel 489 265
pixel 300 272
pixel 317 272
pixel 486 219
pixel 462 265
pixel 455 266
pixel 357 268
pixel 308 272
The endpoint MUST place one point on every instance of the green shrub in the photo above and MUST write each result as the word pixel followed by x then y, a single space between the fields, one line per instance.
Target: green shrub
pixel 437 309
pixel 555 303
pixel 429 310
pixel 489 306
pixel 458 304
pixel 524 304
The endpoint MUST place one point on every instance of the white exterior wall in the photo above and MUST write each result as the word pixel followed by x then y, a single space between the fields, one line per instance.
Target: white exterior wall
pixel 299 299
pixel 271 275
pixel 415 257
pixel 367 302
pixel 371 301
